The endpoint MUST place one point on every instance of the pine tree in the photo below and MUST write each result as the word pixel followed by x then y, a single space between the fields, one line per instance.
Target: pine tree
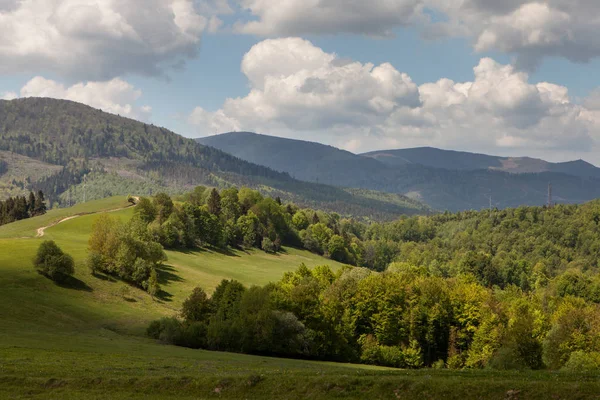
pixel 315 219
pixel 214 202
pixel 40 205
pixel 31 204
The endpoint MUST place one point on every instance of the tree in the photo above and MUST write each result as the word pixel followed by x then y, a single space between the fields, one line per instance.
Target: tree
pixel 214 202
pixel 337 249
pixel 153 285
pixel 145 210
pixel 300 220
pixel 31 204
pixel 197 307
pixel 40 205
pixel 164 206
pixel 52 262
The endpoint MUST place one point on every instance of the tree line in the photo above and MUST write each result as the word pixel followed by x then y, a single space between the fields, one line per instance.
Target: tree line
pixel 21 207
pixel 403 317
pixel 515 288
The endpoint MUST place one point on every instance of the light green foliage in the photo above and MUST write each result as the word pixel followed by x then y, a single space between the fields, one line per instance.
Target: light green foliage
pixel 582 361
pixel 125 250
pixel 300 220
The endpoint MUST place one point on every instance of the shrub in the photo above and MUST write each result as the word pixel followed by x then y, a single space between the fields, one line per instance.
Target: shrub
pixel 413 357
pixel 268 245
pixel 391 356
pixel 167 330
pixel 52 262
pixel 581 361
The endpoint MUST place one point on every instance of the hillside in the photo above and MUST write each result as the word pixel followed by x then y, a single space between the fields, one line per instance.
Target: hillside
pixel 461 160
pixel 120 156
pixel 444 180
pixel 85 339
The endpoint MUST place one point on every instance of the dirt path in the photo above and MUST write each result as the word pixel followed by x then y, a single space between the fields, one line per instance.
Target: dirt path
pixel 42 231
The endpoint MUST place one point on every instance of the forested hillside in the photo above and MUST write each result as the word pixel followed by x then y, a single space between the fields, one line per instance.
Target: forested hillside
pixel 110 148
pixel 504 289
pixel 442 179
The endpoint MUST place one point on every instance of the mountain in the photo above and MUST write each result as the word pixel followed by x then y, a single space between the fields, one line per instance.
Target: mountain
pixel 445 180
pixel 303 160
pixel 92 154
pixel 460 160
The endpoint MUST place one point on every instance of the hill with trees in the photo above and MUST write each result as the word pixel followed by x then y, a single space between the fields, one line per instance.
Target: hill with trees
pixel 444 180
pixel 101 154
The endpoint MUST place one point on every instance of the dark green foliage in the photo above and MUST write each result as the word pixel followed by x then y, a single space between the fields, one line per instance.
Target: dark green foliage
pixel 214 202
pixel 18 208
pixel 197 307
pixel 52 262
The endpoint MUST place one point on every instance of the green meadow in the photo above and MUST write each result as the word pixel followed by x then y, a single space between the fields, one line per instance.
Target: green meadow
pixel 85 340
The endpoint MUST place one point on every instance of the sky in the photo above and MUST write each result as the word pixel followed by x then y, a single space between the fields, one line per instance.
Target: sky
pixel 511 77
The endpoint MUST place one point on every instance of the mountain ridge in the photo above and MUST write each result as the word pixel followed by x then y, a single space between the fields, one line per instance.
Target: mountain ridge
pixel 467 187
pixel 126 156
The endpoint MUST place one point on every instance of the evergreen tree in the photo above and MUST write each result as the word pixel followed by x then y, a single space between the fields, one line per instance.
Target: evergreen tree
pixel 31 204
pixel 40 205
pixel 214 202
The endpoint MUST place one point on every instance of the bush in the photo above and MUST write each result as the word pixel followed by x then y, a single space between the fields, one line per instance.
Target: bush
pixel 391 356
pixel 53 263
pixel 581 361
pixel 167 330
pixel 268 245
pixel 413 357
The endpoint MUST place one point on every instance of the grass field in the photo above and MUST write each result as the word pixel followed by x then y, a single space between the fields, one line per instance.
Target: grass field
pixel 85 341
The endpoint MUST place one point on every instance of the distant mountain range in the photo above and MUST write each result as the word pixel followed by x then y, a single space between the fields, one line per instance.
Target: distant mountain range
pixel 443 179
pixel 52 144
pixel 460 160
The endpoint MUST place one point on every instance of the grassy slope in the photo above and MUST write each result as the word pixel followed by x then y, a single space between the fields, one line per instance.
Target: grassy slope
pixel 85 341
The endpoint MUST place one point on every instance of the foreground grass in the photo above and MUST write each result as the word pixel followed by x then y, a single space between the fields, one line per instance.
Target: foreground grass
pixel 127 369
pixel 85 340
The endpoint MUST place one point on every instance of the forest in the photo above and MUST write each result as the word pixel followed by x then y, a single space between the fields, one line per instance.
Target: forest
pixel 505 289
pixel 21 207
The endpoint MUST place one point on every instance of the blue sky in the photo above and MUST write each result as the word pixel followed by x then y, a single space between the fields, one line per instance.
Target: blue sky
pixel 307 72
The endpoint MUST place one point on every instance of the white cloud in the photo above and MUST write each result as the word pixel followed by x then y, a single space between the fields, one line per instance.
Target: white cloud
pixel 299 17
pixel 101 39
pixel 115 96
pixel 298 89
pixel 529 29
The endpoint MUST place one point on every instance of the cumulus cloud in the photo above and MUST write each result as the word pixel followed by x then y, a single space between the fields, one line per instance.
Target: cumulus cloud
pixel 298 89
pixel 8 95
pixel 102 39
pixel 530 29
pixel 115 96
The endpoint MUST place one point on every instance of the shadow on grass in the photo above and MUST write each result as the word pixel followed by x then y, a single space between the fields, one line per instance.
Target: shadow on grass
pixel 164 296
pixel 166 274
pixel 226 252
pixel 73 283
pixel 103 277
